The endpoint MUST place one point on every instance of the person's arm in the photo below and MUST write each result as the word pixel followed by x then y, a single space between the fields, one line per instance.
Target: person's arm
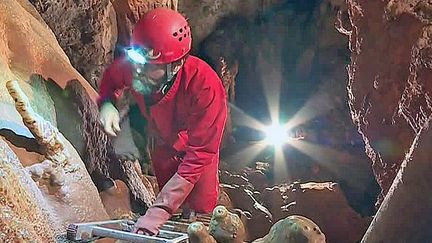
pixel 206 122
pixel 110 86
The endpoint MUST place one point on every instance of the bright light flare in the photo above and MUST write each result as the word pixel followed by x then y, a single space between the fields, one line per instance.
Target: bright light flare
pixel 136 56
pixel 276 135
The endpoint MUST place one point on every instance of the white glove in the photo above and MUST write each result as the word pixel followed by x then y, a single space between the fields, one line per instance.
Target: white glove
pixel 110 118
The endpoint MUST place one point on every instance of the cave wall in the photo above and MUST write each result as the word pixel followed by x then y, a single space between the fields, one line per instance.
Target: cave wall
pixel 296 53
pixel 38 211
pixel 204 15
pixel 86 30
pixel 389 88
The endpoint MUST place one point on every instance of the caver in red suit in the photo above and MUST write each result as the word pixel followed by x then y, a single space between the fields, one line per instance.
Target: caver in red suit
pixel 186 113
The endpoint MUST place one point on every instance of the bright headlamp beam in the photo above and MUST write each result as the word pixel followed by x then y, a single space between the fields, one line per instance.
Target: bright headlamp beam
pixel 136 56
pixel 276 135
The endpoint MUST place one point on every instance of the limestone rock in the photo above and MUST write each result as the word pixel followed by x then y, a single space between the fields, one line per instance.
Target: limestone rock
pixel 411 186
pixel 389 94
pixel 205 14
pixel 67 184
pixel 325 204
pixel 116 200
pixel 223 199
pixel 198 233
pixel 86 30
pixel 257 218
pixel 294 229
pixel 27 47
pixel 389 90
pixel 226 227
pixel 128 12
pixel 24 214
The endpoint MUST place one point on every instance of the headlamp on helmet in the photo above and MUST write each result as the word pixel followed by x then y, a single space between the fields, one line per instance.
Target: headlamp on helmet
pixel 136 55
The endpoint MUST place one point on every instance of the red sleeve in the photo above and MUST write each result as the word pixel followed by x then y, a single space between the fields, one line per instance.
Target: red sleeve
pixel 111 83
pixel 206 123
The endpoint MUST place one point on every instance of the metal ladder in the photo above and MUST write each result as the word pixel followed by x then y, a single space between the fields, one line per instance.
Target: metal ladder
pixel 174 231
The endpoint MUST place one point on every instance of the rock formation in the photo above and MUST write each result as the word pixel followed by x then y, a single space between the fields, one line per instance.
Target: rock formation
pixel 86 30
pixel 62 177
pixel 389 91
pixel 51 187
pixel 388 84
pixel 128 12
pixel 294 229
pixel 198 233
pixel 226 227
pixel 24 213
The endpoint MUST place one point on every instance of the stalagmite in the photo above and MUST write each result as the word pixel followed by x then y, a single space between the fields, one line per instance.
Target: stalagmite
pixel 294 229
pixel 226 227
pixel 198 233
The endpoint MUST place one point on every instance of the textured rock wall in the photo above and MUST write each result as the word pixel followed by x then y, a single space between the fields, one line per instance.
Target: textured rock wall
pixel 45 197
pixel 86 30
pixel 23 214
pixel 389 88
pixel 89 31
pixel 324 203
pixel 408 198
pixel 128 12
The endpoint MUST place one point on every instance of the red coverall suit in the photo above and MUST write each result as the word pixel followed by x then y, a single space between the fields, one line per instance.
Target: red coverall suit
pixel 188 123
pixel 187 120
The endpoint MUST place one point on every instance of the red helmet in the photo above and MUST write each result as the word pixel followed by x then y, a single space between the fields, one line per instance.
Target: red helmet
pixel 164 31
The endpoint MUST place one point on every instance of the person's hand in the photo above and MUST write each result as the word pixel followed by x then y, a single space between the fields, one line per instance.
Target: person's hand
pixel 172 195
pixel 151 222
pixel 110 118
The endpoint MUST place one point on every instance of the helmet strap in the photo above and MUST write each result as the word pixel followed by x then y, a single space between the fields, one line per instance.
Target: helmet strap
pixel 171 71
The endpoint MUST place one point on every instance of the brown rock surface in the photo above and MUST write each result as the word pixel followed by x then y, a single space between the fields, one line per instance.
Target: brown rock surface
pixel 29 47
pixel 294 229
pixel 256 218
pixel 198 233
pixel 86 30
pixel 389 88
pixel 204 15
pixel 226 227
pixel 390 92
pixel 224 199
pixel 62 177
pixel 128 12
pixel 25 216
pixel 408 198
pixel 116 200
pixel 325 204
pixel 66 194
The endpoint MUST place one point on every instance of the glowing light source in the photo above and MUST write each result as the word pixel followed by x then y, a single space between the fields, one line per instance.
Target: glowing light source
pixel 276 135
pixel 136 56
